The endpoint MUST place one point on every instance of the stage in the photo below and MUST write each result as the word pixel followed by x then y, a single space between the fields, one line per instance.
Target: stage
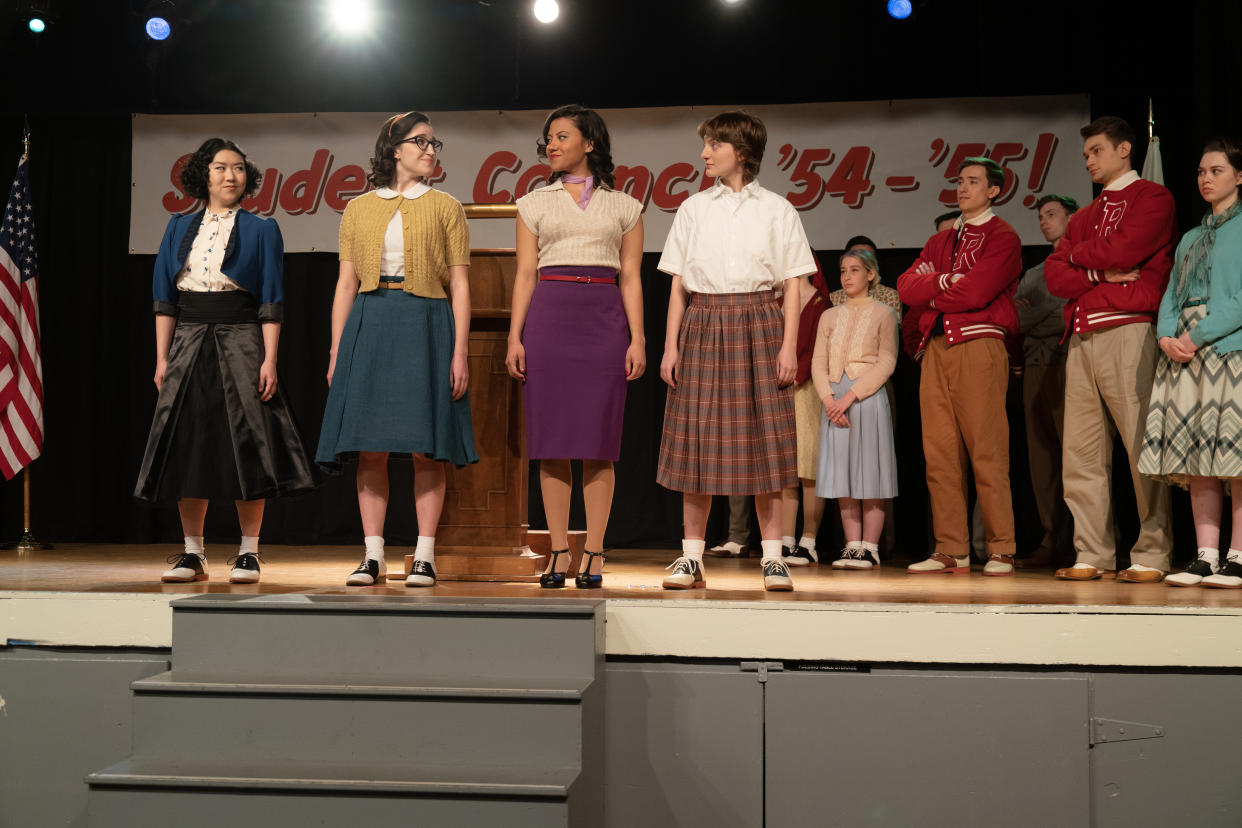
pixel 85 595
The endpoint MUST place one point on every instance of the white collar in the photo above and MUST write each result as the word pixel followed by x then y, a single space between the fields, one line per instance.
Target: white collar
pixel 983 218
pixel 719 189
pixel 1124 181
pixel 415 190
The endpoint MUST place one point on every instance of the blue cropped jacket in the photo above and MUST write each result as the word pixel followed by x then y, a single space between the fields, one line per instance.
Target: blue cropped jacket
pixel 253 257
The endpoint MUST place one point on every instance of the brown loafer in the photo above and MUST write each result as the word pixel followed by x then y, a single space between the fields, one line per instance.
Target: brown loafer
pixel 1140 576
pixel 1071 573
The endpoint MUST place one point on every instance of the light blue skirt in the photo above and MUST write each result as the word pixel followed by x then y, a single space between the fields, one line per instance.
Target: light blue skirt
pixel 858 462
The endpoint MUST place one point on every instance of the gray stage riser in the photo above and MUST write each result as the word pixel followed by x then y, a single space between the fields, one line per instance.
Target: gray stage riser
pixel 345 729
pixel 391 649
pixel 120 808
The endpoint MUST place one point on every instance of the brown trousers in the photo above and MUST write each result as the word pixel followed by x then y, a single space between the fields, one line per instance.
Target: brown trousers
pixel 962 397
pixel 1043 398
pixel 1108 376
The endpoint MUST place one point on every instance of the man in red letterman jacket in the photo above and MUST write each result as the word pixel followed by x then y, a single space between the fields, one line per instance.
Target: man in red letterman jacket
pixel 965 278
pixel 1112 265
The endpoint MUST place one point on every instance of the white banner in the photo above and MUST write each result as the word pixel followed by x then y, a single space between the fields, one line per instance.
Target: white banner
pixel 880 168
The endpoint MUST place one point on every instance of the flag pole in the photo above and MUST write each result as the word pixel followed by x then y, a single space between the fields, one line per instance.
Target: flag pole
pixel 27 542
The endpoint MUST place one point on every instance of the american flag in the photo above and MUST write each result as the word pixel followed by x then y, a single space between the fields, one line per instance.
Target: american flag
pixel 21 363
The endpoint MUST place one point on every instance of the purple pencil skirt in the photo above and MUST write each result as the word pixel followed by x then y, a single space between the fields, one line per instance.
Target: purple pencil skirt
pixel 575 337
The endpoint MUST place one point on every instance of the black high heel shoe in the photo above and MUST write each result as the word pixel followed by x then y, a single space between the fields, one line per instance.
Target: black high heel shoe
pixel 584 579
pixel 552 579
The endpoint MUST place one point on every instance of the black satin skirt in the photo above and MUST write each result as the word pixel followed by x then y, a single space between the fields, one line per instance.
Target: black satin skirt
pixel 211 436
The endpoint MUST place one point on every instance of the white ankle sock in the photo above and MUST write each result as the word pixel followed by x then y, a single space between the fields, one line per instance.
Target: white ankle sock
pixel 771 548
pixel 249 546
pixel 1212 556
pixel 1083 566
pixel 194 546
pixel 692 549
pixel 375 547
pixel 1234 555
pixel 807 542
pixel 873 548
pixel 786 540
pixel 425 550
pixel 1141 568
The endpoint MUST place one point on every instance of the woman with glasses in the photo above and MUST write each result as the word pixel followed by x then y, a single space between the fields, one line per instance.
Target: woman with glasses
pixel 222 428
pixel 397 371
pixel 576 333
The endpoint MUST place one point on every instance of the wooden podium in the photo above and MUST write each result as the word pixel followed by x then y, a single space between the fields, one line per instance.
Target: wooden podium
pixel 483 529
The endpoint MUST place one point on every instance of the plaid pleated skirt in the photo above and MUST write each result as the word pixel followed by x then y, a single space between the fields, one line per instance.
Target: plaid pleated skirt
pixel 1194 423
pixel 728 428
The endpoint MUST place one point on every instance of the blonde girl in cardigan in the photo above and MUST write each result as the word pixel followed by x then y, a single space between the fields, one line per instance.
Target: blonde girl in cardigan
pixel 855 353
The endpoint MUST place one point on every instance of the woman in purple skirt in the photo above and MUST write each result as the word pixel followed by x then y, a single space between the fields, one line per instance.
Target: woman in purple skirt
pixel 576 335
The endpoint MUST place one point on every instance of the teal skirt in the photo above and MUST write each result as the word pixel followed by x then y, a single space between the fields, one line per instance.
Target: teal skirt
pixel 391 389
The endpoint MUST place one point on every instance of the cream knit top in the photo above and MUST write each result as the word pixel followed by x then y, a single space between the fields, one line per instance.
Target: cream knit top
pixel 569 235
pixel 858 340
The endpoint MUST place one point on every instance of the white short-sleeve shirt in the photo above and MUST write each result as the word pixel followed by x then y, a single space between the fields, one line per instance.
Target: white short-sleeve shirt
pixel 743 242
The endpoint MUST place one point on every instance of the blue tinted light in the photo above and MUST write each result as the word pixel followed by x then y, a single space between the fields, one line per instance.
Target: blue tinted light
pixel 36 25
pixel 899 9
pixel 158 28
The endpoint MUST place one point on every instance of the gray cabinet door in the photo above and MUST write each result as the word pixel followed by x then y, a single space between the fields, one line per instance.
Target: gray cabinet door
pixel 684 747
pixel 926 748
pixel 1177 763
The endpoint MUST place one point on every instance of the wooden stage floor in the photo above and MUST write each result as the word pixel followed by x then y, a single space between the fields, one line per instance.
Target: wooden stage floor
pixel 629 574
pixel 81 595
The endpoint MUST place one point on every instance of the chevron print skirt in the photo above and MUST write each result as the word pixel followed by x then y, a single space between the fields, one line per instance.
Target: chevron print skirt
pixel 1194 419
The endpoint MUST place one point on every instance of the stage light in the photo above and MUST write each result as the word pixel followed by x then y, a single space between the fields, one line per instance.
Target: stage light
pixel 899 9
pixel 732 2
pixel 351 16
pixel 157 28
pixel 37 25
pixel 546 10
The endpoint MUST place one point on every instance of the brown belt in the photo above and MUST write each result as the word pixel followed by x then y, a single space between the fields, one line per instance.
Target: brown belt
pixel 397 285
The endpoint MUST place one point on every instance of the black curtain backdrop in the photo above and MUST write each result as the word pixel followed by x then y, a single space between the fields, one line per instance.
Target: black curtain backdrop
pixel 79 85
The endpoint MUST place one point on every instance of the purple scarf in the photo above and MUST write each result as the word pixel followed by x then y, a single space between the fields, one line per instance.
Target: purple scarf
pixel 588 187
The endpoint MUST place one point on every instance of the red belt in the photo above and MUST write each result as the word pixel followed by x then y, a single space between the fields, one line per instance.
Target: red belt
pixel 586 280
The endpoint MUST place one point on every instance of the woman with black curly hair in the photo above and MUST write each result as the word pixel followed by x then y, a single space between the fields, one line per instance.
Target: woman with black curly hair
pixel 397 371
pixel 576 333
pixel 222 428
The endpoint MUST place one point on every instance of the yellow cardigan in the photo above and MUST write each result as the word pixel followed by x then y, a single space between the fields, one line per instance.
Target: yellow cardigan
pixel 436 238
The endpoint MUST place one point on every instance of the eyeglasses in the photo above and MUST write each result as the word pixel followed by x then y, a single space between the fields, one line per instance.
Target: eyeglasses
pixel 422 142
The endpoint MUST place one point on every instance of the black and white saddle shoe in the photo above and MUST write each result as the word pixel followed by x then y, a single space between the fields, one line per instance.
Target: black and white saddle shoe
pixel 776 576
pixel 855 557
pixel 186 568
pixel 369 573
pixel 422 574
pixel 687 574
pixel 1192 575
pixel 245 569
pixel 1228 576
pixel 801 557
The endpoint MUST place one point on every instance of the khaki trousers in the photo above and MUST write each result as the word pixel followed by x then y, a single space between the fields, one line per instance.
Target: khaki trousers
pixel 962 397
pixel 1108 376
pixel 1043 398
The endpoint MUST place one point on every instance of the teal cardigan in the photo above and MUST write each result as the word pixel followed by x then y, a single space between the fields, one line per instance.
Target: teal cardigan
pixel 1222 326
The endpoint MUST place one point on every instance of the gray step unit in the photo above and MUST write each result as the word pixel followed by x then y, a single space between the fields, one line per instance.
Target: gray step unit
pixel 303 723
pixel 286 710
pixel 387 639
